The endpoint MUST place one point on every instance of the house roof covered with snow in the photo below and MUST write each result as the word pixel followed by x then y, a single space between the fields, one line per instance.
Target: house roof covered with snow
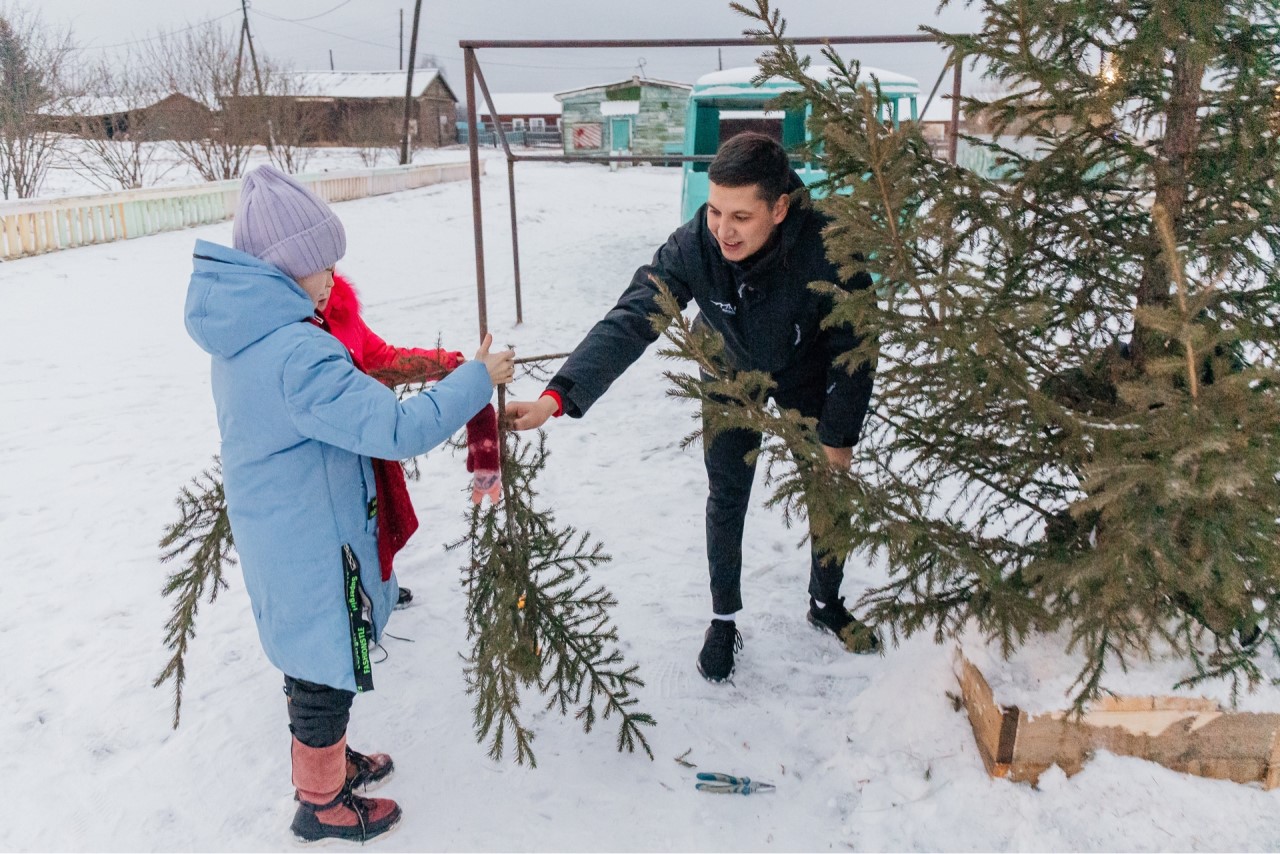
pixel 634 81
pixel 360 84
pixel 108 105
pixel 735 79
pixel 521 104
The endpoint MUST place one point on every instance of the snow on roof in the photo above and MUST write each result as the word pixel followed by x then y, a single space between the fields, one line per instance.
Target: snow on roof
pixel 737 77
pixel 634 81
pixel 939 109
pixel 358 84
pixel 521 104
pixel 97 105
pixel 103 105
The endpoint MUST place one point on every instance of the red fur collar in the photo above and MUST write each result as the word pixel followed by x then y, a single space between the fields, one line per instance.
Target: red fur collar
pixel 344 303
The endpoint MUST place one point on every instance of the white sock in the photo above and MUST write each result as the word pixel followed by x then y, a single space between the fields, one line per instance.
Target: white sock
pixel 819 604
pixel 728 618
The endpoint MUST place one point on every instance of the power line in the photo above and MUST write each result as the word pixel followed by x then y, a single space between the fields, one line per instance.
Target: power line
pixel 322 30
pixel 311 17
pixel 159 35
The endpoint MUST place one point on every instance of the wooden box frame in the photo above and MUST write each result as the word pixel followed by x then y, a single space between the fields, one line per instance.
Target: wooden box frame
pixel 1192 735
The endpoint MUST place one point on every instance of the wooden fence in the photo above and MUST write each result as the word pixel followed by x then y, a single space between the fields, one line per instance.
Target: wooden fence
pixel 34 226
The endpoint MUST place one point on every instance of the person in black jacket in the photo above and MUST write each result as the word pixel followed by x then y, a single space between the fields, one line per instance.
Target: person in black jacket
pixel 747 259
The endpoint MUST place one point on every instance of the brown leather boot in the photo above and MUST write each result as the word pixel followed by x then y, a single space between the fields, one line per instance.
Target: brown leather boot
pixel 327 808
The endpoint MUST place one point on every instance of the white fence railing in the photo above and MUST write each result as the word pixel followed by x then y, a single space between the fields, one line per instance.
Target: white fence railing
pixel 33 226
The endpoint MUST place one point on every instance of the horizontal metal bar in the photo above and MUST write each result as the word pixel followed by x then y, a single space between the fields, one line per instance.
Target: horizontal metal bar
pixel 736 42
pixel 608 158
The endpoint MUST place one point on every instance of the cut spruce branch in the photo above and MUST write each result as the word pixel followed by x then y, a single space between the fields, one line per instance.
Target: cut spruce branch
pixel 535 620
pixel 202 538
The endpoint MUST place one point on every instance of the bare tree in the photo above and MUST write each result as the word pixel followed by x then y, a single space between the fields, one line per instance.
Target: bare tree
pixel 34 60
pixel 294 121
pixel 207 65
pixel 118 146
pixel 370 133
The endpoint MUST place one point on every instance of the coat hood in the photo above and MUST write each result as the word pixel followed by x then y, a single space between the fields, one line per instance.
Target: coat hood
pixel 235 299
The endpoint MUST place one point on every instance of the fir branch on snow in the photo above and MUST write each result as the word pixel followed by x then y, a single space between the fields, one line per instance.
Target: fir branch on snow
pixel 1075 408
pixel 536 621
pixel 202 537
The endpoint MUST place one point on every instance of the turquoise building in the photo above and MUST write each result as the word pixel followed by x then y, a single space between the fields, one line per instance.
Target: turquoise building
pixel 725 103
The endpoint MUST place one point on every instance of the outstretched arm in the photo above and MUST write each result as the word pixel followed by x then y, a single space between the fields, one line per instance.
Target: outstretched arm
pixel 614 343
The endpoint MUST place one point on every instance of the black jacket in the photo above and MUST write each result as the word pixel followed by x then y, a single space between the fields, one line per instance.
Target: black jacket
pixel 764 308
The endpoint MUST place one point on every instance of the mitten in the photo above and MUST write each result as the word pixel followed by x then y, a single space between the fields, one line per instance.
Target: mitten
pixel 482 456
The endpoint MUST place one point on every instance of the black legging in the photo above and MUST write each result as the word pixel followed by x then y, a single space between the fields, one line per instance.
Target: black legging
pixel 318 714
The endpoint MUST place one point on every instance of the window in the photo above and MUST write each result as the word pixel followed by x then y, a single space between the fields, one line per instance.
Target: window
pixel 538 125
pixel 517 124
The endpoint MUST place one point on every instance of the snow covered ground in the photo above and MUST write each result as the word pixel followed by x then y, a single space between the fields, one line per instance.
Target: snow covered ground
pixel 106 412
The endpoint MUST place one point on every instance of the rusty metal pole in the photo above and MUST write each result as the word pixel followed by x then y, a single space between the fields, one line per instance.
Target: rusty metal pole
pixel 953 145
pixel 473 145
pixel 511 183
pixel 515 238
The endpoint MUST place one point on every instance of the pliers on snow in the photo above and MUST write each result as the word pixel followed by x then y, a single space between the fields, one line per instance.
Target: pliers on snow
pixel 727 784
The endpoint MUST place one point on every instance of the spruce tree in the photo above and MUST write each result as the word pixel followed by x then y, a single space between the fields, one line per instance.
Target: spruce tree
pixel 1075 415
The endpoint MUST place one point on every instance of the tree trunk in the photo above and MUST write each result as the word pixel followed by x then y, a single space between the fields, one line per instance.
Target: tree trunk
pixel 1181 133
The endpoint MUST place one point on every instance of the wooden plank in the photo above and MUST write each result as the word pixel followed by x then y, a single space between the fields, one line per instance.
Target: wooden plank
pixel 1192 735
pixel 985 717
pixel 27 228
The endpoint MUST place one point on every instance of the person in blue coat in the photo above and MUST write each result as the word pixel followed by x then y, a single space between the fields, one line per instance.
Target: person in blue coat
pixel 300 424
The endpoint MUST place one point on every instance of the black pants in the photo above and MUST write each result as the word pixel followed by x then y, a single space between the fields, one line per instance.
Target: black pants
pixel 318 714
pixel 729 480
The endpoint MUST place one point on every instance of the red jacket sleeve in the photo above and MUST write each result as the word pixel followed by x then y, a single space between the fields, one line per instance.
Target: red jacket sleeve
pixel 406 363
pixel 376 357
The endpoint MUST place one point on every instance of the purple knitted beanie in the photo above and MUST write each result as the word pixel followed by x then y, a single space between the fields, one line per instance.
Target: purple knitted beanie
pixel 285 224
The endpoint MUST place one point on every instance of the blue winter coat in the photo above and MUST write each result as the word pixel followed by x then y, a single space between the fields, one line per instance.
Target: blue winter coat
pixel 299 423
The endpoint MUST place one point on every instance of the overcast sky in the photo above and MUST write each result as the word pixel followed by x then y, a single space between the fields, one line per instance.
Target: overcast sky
pixel 365 34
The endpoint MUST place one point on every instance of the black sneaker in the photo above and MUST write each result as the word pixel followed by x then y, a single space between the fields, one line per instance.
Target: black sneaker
pixel 856 636
pixel 405 597
pixel 722 640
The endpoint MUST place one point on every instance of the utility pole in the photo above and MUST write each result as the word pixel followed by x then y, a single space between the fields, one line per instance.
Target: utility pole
pixel 235 80
pixel 720 58
pixel 257 73
pixel 408 86
pixel 253 54
pixel 402 39
pixel 330 59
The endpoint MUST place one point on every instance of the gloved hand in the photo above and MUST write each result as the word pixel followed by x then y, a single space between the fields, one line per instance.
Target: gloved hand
pixel 483 459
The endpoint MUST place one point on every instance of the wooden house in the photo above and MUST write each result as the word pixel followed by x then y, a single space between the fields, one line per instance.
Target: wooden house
pixel 527 111
pixel 636 116
pixel 173 116
pixel 367 107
